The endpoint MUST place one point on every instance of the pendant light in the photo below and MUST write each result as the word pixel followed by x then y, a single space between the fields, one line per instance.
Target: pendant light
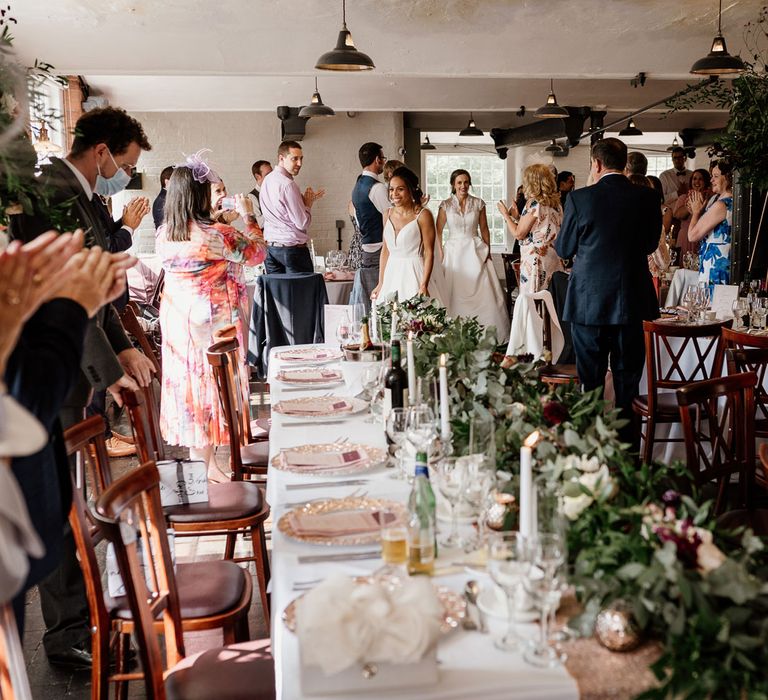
pixel 553 147
pixel 427 146
pixel 630 129
pixel 316 108
pixel 43 145
pixel 345 56
pixel 675 144
pixel 718 61
pixel 471 128
pixel 551 110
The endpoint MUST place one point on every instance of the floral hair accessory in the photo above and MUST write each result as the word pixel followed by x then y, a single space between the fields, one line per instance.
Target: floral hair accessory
pixel 201 171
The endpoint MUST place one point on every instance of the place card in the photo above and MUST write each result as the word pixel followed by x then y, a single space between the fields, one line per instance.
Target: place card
pixel 298 458
pixel 723 297
pixel 333 524
pixel 183 482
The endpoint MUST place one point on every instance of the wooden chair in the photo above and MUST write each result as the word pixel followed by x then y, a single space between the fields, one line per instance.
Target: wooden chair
pixel 14 683
pixel 718 424
pixel 552 373
pixel 130 510
pixel 247 457
pixel 131 324
pixel 742 339
pixel 213 594
pixel 659 404
pixel 511 264
pixel 753 360
pixel 233 508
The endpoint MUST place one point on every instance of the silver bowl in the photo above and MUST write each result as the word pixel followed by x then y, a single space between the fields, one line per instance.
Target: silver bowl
pixel 352 353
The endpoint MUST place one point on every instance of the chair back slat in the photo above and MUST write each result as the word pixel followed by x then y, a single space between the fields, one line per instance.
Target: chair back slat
pixel 669 347
pixel 130 512
pixel 145 423
pixel 742 339
pixel 718 424
pixel 131 324
pixel 753 360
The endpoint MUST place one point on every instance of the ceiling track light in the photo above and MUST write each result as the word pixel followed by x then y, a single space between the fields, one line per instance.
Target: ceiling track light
pixel 316 108
pixel 551 110
pixel 345 56
pixel 630 129
pixel 427 145
pixel 471 128
pixel 718 61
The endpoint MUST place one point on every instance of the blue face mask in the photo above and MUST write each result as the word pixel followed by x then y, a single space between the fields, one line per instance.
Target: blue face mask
pixel 107 187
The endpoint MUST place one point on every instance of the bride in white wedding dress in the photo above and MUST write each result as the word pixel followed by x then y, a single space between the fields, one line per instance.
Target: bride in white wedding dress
pixel 408 263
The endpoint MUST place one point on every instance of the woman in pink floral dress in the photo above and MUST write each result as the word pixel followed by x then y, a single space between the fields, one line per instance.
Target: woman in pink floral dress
pixel 203 293
pixel 536 228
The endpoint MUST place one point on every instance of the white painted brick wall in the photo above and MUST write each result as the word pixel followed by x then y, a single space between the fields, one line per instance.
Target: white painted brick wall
pixel 237 139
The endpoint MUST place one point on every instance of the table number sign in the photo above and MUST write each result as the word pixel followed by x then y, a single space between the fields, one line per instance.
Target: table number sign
pixel 182 482
pixel 723 297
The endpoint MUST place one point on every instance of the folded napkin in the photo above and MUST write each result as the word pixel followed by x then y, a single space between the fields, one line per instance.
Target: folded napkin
pixel 341 623
pixel 351 522
pixel 309 375
pixel 323 460
pixel 340 275
pixel 306 354
pixel 316 407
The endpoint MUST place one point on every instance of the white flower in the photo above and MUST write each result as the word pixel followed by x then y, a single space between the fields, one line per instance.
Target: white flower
pixel 573 506
pixel 598 482
pixel 708 556
pixel 517 409
pixel 590 465
pixel 8 104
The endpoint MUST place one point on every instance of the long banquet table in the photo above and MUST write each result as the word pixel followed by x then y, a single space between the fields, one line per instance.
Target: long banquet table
pixel 470 665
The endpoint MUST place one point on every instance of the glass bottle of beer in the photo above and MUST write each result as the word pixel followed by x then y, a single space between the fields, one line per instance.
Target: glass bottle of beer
pixel 422 525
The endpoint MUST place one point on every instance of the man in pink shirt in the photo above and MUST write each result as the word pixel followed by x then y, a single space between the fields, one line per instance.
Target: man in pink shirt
pixel 287 213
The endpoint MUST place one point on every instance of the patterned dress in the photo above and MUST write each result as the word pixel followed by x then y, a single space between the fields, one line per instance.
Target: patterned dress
pixel 715 251
pixel 538 258
pixel 203 292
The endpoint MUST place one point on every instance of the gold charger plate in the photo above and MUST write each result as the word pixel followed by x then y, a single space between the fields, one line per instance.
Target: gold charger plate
pixel 334 377
pixel 454 607
pixel 339 505
pixel 309 356
pixel 375 458
pixel 355 406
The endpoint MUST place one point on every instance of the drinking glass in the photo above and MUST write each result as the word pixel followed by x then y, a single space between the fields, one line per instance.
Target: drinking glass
pixel 344 333
pixel 689 302
pixel 508 564
pixel 421 428
pixel 547 554
pixel 759 313
pixel 394 542
pixel 377 393
pixel 740 309
pixel 395 428
pixel 452 473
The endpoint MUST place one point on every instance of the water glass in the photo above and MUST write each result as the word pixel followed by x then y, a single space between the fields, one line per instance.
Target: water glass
pixel 740 310
pixel 508 564
pixel 395 427
pixel 421 428
pixel 452 474
pixel 394 542
pixel 759 313
pixel 689 302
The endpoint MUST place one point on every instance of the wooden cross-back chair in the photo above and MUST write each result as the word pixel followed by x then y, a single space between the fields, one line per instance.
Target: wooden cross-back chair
pixel 130 320
pixel 667 345
pixel 756 519
pixel 553 373
pixel 753 360
pixel 233 508
pixel 214 595
pixel 129 511
pixel 718 425
pixel 741 339
pixel 511 264
pixel 248 458
pixel 14 683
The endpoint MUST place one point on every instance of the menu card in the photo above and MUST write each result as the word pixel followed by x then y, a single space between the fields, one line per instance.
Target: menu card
pixel 723 297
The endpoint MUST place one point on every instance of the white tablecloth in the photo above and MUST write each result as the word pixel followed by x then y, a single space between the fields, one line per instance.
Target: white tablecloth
pixel 680 281
pixel 470 666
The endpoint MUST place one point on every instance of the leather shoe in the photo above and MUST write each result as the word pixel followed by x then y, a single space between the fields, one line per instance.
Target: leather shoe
pixel 117 447
pixel 80 659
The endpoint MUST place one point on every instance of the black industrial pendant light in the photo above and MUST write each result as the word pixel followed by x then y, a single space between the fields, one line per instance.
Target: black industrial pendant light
pixel 427 146
pixel 675 144
pixel 471 128
pixel 316 108
pixel 630 129
pixel 345 56
pixel 718 61
pixel 551 110
pixel 553 147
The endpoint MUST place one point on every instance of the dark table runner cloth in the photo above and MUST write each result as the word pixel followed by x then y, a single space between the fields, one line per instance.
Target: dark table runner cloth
pixel 287 310
pixel 558 288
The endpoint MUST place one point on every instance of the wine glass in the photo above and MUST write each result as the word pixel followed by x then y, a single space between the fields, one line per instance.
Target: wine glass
pixel 547 553
pixel 689 301
pixel 759 313
pixel 377 394
pixel 740 309
pixel 452 476
pixel 395 427
pixel 508 564
pixel 344 333
pixel 421 428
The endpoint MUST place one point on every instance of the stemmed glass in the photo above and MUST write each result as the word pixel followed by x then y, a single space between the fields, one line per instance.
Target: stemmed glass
pixel 508 564
pixel 343 333
pixel 452 474
pixel 689 301
pixel 740 309
pixel 421 428
pixel 759 313
pixel 395 427
pixel 547 553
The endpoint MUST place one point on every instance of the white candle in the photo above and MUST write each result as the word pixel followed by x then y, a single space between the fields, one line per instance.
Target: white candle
pixel 445 418
pixel 374 322
pixel 395 320
pixel 411 370
pixel 526 484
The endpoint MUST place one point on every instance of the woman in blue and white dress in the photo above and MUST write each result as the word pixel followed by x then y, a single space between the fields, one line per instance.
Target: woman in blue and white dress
pixel 711 224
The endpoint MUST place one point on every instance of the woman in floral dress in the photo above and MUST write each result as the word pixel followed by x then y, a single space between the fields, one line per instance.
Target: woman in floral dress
pixel 536 228
pixel 712 226
pixel 203 292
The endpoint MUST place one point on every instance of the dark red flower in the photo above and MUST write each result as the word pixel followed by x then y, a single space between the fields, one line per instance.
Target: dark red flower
pixel 555 413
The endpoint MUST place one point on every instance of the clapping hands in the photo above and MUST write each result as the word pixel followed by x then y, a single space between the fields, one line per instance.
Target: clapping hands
pixel 695 202
pixel 135 211
pixel 310 196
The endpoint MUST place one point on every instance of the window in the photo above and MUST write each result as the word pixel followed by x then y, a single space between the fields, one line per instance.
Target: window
pixel 658 164
pixel 489 182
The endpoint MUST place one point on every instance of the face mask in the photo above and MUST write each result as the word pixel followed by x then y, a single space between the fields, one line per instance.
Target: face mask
pixel 107 187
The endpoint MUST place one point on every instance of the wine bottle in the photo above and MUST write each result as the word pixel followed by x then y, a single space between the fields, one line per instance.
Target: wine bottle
pixel 422 523
pixel 395 382
pixel 365 337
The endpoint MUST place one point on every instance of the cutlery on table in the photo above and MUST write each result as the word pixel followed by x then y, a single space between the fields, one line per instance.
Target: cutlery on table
pixel 346 556
pixel 357 493
pixel 471 592
pixel 324 484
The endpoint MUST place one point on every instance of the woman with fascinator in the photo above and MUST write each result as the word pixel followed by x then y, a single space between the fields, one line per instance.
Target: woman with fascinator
pixel 203 293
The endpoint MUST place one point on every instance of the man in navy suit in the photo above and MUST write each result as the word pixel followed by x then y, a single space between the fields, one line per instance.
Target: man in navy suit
pixel 610 228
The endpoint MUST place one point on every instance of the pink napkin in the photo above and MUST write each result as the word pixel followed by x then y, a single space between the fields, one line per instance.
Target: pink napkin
pixel 333 524
pixel 306 354
pixel 309 375
pixel 320 461
pixel 316 407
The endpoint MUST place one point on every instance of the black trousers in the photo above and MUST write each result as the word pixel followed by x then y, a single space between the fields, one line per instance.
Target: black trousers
pixel 623 348
pixel 371 259
pixel 281 259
